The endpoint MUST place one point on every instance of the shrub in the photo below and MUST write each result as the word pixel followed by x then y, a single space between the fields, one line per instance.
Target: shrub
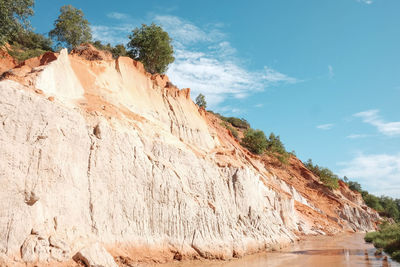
pixel 283 158
pixel 387 238
pixel 27 44
pixel 326 176
pixel 372 201
pixel 151 45
pixel 369 237
pixel 31 40
pixel 275 145
pixel 255 141
pixel 117 51
pixel 390 208
pixel 239 123
pixel 354 186
pixel 233 131
pixel 329 179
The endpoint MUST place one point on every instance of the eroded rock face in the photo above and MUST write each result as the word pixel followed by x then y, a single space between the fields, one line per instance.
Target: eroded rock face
pixel 133 164
pixel 6 61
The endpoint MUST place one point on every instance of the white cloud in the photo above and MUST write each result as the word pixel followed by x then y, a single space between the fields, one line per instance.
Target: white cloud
pixel 372 117
pixel 379 173
pixel 357 136
pixel 206 62
pixel 330 71
pixel 112 34
pixel 327 126
pixel 118 16
pixel 273 76
pixel 259 105
pixel 186 33
pixel 228 110
pixel 368 2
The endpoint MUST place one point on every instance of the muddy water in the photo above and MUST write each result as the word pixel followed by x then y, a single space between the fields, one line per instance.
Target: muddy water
pixel 345 250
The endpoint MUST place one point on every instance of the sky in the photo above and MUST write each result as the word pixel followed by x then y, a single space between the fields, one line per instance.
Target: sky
pixel 324 75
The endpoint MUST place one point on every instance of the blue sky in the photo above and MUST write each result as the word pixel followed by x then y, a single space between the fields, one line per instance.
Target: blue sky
pixel 322 74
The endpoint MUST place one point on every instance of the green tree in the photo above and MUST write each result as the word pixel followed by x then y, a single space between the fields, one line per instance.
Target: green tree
pixel 390 208
pixel 13 17
pixel 31 40
pixel 71 27
pixel 354 186
pixel 201 101
pixel 275 144
pixel 372 201
pixel 151 45
pixel 255 141
pixel 119 51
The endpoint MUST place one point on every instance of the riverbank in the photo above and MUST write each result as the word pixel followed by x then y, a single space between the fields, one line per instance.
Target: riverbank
pixel 327 251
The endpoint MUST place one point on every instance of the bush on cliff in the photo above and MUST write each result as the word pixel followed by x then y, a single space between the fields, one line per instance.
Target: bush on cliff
pixel 151 45
pixel 275 144
pixel 239 123
pixel 387 238
pixel 27 44
pixel 233 131
pixel 117 51
pixel 276 148
pixel 255 141
pixel 354 186
pixel 326 176
pixel 71 28
pixel 390 208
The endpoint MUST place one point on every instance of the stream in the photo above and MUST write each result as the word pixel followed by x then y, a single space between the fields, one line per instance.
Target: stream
pixel 326 251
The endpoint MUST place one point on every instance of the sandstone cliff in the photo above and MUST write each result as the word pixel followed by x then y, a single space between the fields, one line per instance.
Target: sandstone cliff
pixel 99 157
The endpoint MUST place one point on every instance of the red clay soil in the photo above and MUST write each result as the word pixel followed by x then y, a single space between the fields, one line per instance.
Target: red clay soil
pixel 229 153
pixel 295 174
pixel 7 62
pixel 41 60
pixel 327 201
pixel 89 52
pixel 20 71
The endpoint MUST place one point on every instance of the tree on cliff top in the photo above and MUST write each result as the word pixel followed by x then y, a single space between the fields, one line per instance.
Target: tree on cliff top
pixel 201 101
pixel 13 17
pixel 151 45
pixel 71 27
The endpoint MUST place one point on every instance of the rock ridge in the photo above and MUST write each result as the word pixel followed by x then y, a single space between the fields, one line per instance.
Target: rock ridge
pixel 100 158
